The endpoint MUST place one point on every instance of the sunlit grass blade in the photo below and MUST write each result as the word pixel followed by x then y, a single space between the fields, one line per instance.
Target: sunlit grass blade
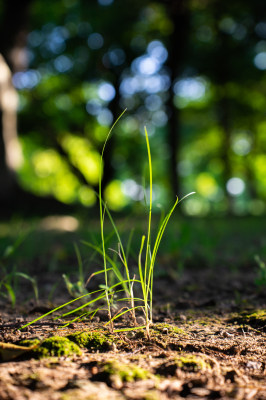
pixel 32 281
pixel 142 280
pixel 111 262
pixel 157 244
pixel 150 204
pixel 124 259
pixel 122 313
pixel 128 298
pixel 57 308
pixel 121 253
pixel 11 294
pixel 129 241
pixel 102 211
pixel 84 305
pixel 80 265
pixel 96 273
pixel 129 329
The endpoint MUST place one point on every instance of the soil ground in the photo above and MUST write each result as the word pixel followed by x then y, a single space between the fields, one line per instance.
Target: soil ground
pixel 208 340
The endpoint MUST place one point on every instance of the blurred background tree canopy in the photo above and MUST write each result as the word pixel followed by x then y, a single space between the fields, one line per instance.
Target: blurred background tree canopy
pixel 192 71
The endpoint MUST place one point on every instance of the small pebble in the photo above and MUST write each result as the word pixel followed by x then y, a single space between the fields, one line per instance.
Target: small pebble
pixel 114 347
pixel 131 335
pixel 226 334
pixel 254 365
pixel 140 320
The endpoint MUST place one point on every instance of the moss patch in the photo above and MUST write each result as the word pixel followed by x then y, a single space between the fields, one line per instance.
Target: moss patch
pixel 186 363
pixel 191 363
pixel 256 319
pixel 29 342
pixel 115 373
pixel 92 340
pixel 55 346
pixel 167 329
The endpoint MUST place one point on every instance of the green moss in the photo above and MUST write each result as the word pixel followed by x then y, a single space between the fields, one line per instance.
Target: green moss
pixel 257 319
pixel 259 315
pixel 191 363
pixel 92 340
pixel 186 363
pixel 167 328
pixel 29 342
pixel 125 372
pixel 55 346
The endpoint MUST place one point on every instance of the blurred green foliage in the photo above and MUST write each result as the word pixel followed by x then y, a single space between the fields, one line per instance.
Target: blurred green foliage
pixel 90 60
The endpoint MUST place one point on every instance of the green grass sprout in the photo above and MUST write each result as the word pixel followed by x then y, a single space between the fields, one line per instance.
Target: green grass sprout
pixel 124 280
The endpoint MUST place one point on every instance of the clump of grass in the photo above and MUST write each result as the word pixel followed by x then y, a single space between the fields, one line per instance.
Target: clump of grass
pixel 78 288
pixel 9 276
pixel 260 280
pixel 125 281
pixel 146 271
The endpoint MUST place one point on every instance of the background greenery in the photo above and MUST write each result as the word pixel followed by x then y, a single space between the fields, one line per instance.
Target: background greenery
pixel 192 71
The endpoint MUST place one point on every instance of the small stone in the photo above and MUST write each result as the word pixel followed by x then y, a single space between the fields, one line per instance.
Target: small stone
pixel 131 335
pixel 254 365
pixel 182 317
pixel 226 334
pixel 200 392
pixel 114 347
pixel 140 320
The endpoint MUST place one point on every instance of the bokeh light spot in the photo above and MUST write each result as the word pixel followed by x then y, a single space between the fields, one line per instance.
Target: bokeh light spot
pixel 105 2
pixel 157 51
pixel 63 64
pixel 114 196
pixel 260 60
pixel 235 186
pixel 106 91
pixel 95 41
pixel 26 79
pixel 105 117
pixel 206 185
pixel 190 88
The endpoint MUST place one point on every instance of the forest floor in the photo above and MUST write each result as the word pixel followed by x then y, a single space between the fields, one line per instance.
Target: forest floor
pixel 207 341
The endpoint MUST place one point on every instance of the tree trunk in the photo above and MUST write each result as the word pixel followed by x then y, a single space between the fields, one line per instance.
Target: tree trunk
pixel 179 15
pixel 10 152
pixel 13 198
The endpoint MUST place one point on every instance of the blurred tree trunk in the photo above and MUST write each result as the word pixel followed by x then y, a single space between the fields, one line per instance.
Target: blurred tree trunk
pixel 13 58
pixel 178 13
pixel 13 34
pixel 10 152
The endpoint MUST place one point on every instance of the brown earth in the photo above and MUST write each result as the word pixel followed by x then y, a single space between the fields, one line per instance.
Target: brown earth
pixel 217 352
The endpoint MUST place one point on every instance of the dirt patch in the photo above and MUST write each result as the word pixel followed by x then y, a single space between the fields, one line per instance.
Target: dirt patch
pixel 208 340
pixel 203 356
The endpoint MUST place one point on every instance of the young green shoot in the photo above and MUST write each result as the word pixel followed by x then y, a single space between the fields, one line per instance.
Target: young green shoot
pixel 146 263
pixel 146 278
pixel 102 212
